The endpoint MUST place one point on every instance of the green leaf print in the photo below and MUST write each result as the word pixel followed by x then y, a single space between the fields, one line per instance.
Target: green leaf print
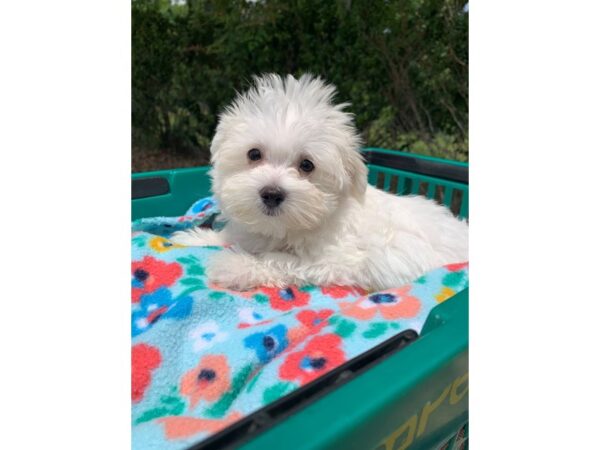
pixel 277 391
pixel 195 269
pixel 376 329
pixel 261 298
pixel 185 260
pixel 307 288
pixel 216 295
pixel 151 414
pixel 219 409
pixel 192 282
pixel 454 279
pixel 171 405
pixel 139 241
pixel 345 328
pixel 253 381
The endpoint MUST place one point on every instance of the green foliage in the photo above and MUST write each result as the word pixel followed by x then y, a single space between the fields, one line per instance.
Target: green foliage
pixel 382 132
pixel 403 64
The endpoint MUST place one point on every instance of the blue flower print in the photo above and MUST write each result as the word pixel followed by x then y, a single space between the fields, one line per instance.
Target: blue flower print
pixel 269 344
pixel 158 305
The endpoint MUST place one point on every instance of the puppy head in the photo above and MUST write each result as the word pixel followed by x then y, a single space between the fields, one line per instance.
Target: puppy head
pixel 285 157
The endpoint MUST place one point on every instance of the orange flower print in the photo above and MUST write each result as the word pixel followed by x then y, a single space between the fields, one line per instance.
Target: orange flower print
pixel 180 427
pixel 391 305
pixel 209 380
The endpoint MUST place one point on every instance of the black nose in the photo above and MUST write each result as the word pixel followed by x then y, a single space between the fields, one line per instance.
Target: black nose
pixel 272 196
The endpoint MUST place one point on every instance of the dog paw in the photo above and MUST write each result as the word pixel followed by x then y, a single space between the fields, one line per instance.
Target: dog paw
pixel 230 270
pixel 182 238
pixel 239 271
pixel 195 238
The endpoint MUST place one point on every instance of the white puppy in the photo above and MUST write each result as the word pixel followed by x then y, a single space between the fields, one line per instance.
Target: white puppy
pixel 291 183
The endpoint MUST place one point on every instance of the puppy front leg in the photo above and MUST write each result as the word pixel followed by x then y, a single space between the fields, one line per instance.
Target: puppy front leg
pixel 243 271
pixel 195 237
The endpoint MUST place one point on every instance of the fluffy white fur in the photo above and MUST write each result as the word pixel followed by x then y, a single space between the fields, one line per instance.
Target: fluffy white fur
pixel 332 227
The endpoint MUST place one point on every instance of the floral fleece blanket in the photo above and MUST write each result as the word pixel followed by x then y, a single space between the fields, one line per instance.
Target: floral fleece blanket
pixel 204 357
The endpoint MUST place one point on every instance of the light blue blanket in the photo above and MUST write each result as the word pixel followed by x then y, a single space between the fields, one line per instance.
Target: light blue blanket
pixel 203 357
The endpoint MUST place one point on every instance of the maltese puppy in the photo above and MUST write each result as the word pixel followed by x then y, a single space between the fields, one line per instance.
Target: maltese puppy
pixel 292 185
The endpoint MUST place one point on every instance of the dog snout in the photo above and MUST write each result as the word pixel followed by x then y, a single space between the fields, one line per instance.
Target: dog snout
pixel 272 196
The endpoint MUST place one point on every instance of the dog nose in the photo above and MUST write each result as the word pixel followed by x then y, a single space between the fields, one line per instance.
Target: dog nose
pixel 272 196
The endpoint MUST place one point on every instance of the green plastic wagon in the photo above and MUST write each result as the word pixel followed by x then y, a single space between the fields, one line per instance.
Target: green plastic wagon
pixel 410 392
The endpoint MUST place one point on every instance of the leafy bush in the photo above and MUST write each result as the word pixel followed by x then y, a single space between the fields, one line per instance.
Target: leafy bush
pixel 403 64
pixel 382 133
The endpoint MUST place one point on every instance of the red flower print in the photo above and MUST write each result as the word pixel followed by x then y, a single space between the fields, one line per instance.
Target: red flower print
pixel 287 298
pixel 457 267
pixel 321 354
pixel 209 380
pixel 149 274
pixel 314 320
pixel 342 291
pixel 392 304
pixel 144 359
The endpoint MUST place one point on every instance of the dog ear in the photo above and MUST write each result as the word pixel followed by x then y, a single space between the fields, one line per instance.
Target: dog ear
pixel 356 170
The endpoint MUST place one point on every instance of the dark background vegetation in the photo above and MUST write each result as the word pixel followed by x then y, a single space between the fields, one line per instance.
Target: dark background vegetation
pixel 403 65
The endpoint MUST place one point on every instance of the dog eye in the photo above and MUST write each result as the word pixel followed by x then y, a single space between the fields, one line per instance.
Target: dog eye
pixel 254 154
pixel 307 166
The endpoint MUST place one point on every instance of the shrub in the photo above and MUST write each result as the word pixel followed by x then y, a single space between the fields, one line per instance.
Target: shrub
pixel 403 64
